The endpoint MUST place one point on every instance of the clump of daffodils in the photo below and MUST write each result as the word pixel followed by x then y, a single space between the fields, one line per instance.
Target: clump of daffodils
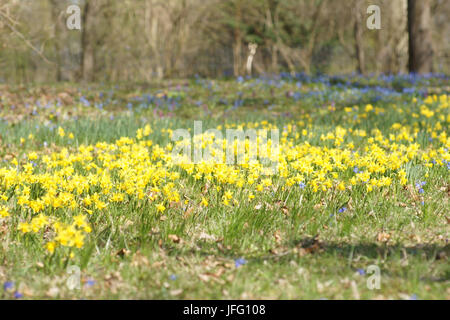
pixel 75 185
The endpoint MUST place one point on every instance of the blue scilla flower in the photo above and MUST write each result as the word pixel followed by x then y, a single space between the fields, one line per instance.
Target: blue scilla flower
pixel 89 283
pixel 419 186
pixel 8 285
pixel 343 209
pixel 301 185
pixel 240 262
pixel 85 101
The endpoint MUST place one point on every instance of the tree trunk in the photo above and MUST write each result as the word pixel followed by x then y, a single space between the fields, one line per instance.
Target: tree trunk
pixel 358 32
pixel 87 44
pixel 420 48
pixel 56 41
pixel 271 22
pixel 237 46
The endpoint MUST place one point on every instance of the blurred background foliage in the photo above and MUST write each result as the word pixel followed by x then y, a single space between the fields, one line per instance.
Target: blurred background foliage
pixel 143 40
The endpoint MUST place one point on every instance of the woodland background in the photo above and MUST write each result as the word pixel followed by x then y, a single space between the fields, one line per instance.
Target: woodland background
pixel 143 40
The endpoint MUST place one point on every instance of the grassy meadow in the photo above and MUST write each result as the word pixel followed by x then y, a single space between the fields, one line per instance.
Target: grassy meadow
pixel 88 183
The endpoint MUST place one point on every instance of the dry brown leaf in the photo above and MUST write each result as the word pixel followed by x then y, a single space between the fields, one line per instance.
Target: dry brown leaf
pixel 155 230
pixel 52 292
pixel 204 277
pixel 188 211
pixel 157 264
pixel 174 204
pixel 174 238
pixel 122 252
pixel 277 236
pixel 205 188
pixel 176 292
pixel 383 237
pixel 205 236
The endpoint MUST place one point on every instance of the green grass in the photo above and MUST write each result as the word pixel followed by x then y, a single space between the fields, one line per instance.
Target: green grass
pixel 295 243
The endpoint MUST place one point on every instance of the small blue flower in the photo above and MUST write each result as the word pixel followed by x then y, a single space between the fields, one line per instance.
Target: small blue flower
pixel 85 101
pixel 361 272
pixel 89 283
pixel 343 209
pixel 173 277
pixel 302 185
pixel 240 262
pixel 8 285
pixel 18 295
pixel 413 297
pixel 421 190
pixel 355 169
